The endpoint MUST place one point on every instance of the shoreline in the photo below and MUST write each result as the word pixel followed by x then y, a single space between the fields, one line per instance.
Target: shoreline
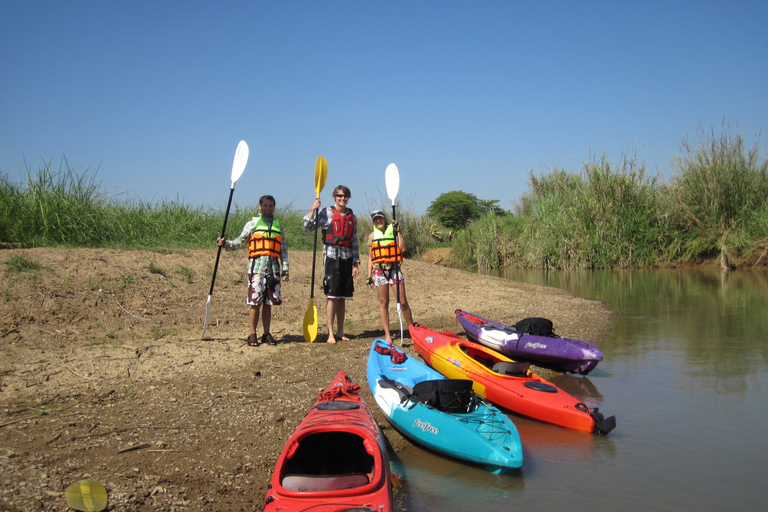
pixel 103 353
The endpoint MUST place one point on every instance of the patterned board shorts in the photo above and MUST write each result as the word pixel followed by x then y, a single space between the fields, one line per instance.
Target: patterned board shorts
pixel 381 277
pixel 257 283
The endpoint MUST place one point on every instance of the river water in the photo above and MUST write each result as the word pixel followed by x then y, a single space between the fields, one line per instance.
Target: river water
pixel 686 374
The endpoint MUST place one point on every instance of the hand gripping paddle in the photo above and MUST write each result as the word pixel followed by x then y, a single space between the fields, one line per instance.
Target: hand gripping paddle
pixel 310 316
pixel 238 166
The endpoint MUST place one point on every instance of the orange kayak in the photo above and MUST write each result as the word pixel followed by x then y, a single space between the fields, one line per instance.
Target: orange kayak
pixel 335 460
pixel 505 382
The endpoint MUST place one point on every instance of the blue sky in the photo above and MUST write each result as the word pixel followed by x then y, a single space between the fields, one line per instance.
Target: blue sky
pixel 460 95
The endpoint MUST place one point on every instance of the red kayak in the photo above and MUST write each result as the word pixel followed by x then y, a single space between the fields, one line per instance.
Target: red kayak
pixel 335 460
pixel 505 382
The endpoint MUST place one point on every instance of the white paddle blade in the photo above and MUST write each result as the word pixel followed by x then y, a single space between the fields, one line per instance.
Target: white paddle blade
pixel 241 159
pixel 205 320
pixel 392 177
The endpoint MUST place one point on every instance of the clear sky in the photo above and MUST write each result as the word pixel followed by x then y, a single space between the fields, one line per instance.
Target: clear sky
pixel 461 95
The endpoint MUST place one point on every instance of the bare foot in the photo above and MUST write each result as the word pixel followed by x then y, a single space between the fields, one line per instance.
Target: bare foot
pixel 344 338
pixel 331 340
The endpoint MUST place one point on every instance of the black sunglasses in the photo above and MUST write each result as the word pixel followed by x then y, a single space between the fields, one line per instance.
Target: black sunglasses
pixel 342 195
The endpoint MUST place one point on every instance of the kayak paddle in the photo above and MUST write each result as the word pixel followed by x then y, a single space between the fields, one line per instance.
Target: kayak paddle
pixel 310 316
pixel 392 178
pixel 238 166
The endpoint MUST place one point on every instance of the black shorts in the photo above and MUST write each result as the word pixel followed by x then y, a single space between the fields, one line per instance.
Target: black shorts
pixel 338 283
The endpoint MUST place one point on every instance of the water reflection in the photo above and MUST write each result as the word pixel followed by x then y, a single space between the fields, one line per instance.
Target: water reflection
pixel 718 316
pixel 434 482
pixel 544 444
pixel 580 387
pixel 686 374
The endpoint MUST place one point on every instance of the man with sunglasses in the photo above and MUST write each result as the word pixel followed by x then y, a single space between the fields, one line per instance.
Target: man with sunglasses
pixel 341 256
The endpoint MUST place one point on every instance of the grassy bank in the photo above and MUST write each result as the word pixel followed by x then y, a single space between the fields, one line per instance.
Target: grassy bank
pixel 58 207
pixel 602 216
pixel 713 206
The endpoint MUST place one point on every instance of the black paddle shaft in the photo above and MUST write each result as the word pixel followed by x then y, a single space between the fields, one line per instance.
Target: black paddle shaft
pixel 397 265
pixel 223 232
pixel 314 253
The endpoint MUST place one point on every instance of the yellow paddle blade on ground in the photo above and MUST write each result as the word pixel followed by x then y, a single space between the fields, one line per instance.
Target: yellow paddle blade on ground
pixel 87 496
pixel 310 322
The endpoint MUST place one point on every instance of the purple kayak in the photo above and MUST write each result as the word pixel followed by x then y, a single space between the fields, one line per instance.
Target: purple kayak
pixel 561 354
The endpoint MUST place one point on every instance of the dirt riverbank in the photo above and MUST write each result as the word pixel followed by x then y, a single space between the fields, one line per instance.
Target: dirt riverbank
pixel 102 352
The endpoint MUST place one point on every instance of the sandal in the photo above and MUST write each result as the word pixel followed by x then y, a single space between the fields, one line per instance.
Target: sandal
pixel 267 338
pixel 253 340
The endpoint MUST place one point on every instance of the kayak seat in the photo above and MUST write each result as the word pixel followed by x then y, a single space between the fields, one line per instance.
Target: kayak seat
pixel 448 395
pixel 510 368
pixel 485 361
pixel 324 482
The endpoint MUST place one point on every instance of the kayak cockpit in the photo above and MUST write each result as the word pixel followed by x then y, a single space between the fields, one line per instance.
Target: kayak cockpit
pixel 497 364
pixel 328 461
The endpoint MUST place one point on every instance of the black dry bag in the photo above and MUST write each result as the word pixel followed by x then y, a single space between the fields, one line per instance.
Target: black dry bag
pixel 536 326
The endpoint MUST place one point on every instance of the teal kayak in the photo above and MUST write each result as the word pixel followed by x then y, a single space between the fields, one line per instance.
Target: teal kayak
pixel 441 414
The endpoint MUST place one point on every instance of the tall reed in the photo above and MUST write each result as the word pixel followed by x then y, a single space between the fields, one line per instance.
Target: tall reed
pixel 718 198
pixel 492 241
pixel 70 209
pixel 601 217
pixel 10 206
pixel 54 207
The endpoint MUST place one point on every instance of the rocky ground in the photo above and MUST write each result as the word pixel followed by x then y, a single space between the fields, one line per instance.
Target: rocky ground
pixel 103 372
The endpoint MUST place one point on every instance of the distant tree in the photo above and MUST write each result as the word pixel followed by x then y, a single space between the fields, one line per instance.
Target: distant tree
pixel 455 209
pixel 491 206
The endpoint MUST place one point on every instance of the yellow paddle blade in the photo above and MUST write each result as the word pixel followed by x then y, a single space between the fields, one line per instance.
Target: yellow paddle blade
pixel 310 322
pixel 87 496
pixel 321 174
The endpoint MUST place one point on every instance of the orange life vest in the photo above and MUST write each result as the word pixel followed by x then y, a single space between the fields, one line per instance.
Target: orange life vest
pixel 265 240
pixel 384 249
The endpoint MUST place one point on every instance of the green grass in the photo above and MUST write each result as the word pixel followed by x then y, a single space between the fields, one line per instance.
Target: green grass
pixel 187 273
pixel 68 208
pixel 718 199
pixel 602 216
pixel 19 263
pixel 154 269
pixel 607 216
